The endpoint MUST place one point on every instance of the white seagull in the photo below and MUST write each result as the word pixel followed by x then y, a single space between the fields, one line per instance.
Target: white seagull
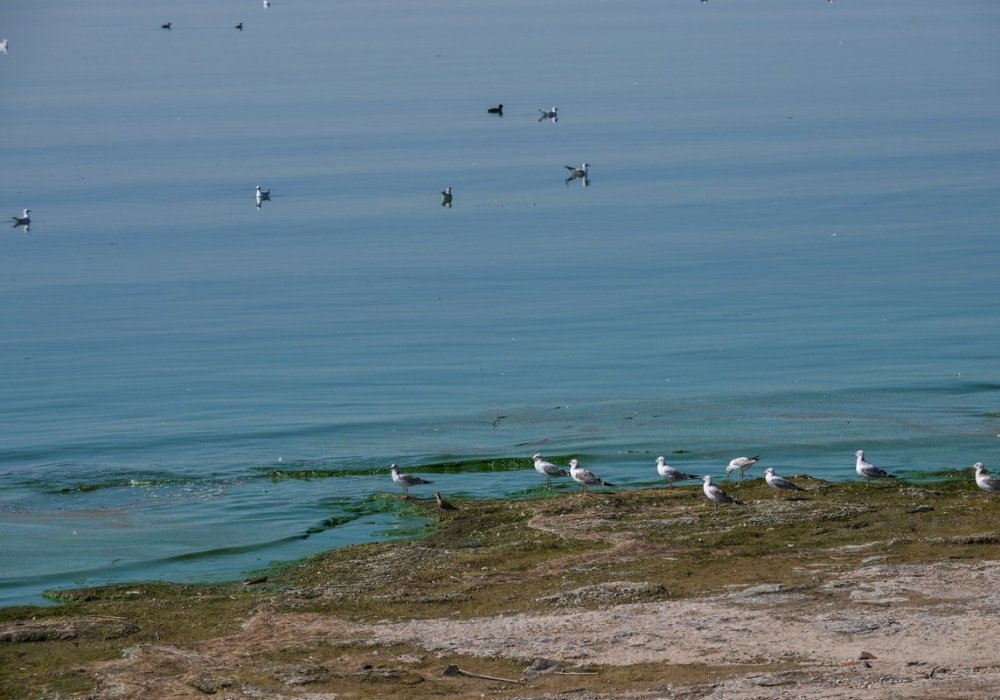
pixel 552 114
pixel 779 483
pixel 585 478
pixel 547 469
pixel 987 483
pixel 867 470
pixel 741 464
pixel 715 494
pixel 262 195
pixel 670 473
pixel 23 220
pixel 406 480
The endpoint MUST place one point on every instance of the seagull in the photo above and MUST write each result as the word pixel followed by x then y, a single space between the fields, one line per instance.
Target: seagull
pixel 552 114
pixel 3 46
pixel 575 173
pixel 717 495
pixel 165 26
pixel 23 220
pixel 240 26
pixel 446 197
pixel 779 483
pixel 585 478
pixel 547 469
pixel 868 470
pixel 496 110
pixel 406 480
pixel 670 473
pixel 741 464
pixel 262 195
pixel 987 483
pixel 443 504
pixel 267 3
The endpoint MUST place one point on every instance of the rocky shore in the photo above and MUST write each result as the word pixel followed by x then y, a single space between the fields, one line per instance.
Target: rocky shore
pixel 844 591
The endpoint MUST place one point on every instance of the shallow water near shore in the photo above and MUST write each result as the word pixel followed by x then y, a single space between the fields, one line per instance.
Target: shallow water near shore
pixel 787 247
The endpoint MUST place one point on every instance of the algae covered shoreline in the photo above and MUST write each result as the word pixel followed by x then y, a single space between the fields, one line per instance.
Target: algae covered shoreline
pixel 638 593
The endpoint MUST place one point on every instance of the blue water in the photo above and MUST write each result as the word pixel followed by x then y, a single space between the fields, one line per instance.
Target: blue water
pixel 789 246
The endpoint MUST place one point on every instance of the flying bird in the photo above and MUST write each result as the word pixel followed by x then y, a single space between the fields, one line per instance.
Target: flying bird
pixel 406 480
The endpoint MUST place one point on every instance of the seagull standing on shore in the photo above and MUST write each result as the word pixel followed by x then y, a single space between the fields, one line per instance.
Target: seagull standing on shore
pixel 717 495
pixel 670 473
pixel 741 464
pixel 867 470
pixel 406 480
pixel 779 483
pixel 547 469
pixel 586 478
pixel 23 220
pixel 989 484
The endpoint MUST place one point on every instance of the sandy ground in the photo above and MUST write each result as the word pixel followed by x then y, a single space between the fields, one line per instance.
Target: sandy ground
pixel 931 631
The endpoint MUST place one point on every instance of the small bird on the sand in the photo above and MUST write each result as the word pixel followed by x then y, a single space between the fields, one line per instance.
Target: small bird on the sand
pixel 717 495
pixel 547 469
pixel 989 484
pixel 779 483
pixel 496 110
pixel 741 464
pixel 406 480
pixel 584 477
pixel 443 504
pixel 867 470
pixel 446 197
pixel 670 473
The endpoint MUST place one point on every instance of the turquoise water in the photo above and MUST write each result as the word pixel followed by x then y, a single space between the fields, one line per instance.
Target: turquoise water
pixel 789 246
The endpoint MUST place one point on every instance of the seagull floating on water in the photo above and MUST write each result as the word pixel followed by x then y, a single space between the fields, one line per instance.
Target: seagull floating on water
pixel 547 469
pixel 552 114
pixel 717 495
pixel 446 197
pixel 165 26
pixel 23 220
pixel 867 470
pixel 406 480
pixel 586 478
pixel 240 26
pixel 581 173
pixel 262 195
pixel 670 473
pixel 779 483
pixel 989 484
pixel 496 110
pixel 741 464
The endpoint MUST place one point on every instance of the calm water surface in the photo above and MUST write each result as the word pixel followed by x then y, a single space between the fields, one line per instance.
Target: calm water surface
pixel 789 246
